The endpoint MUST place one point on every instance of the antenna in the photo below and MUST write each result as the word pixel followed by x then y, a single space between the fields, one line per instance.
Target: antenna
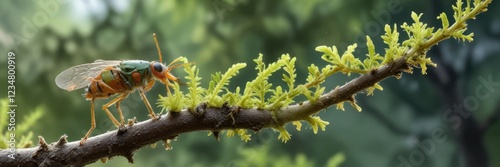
pixel 158 48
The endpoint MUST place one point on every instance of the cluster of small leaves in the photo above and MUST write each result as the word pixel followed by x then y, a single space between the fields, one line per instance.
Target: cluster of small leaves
pixel 255 94
pixel 418 34
pixel 19 133
pixel 315 121
pixel 177 101
pixel 255 91
pixel 218 83
pixel 420 39
pixel 240 132
pixel 195 91
pixel 259 93
pixel 174 102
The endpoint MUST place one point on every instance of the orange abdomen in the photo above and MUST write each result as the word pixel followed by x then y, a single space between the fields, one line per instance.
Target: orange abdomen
pixel 108 83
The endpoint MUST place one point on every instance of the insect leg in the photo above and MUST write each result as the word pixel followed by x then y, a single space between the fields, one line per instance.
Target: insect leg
pixel 149 85
pixel 168 88
pixel 122 120
pixel 92 123
pixel 150 109
pixel 110 103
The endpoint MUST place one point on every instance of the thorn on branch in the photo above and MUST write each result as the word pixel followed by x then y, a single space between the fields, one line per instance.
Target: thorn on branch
pixel 121 130
pixel 130 157
pixel 43 146
pixel 104 160
pixel 216 135
pixel 352 100
pixel 62 140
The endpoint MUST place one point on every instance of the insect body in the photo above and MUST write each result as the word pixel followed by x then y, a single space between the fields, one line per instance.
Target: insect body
pixel 125 76
pixel 107 78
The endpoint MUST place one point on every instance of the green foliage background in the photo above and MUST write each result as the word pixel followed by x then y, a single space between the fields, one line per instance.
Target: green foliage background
pixel 216 34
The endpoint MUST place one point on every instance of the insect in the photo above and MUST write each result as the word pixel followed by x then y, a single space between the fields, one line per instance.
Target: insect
pixel 106 78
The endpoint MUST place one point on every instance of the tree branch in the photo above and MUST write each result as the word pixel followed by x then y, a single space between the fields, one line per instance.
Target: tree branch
pixel 125 141
pixel 345 92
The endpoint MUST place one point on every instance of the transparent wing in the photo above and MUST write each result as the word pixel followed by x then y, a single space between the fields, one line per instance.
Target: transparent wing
pixel 77 77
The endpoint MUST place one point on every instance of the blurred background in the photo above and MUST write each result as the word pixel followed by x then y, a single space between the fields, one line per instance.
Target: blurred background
pixel 445 118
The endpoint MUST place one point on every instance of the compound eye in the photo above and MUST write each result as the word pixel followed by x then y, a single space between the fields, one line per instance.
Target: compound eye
pixel 158 67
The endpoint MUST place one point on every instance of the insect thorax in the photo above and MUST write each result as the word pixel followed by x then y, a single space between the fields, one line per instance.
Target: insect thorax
pixel 129 67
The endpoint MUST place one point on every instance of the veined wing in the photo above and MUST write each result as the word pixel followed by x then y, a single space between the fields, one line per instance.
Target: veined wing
pixel 79 76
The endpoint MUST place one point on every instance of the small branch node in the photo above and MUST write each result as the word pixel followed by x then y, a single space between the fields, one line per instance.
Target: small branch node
pixel 130 157
pixel 398 75
pixel 62 140
pixel 132 121
pixel 200 110
pixel 104 160
pixel 43 144
pixel 153 145
pixel 121 130
pixel 167 145
pixel 407 68
pixel 216 135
